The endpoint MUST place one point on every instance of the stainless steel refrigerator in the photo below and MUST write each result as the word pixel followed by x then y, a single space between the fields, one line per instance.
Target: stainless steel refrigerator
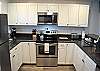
pixel 4 44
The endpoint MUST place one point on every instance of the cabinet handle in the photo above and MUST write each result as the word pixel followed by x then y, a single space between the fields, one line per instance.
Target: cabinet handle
pixel 16 49
pixel 13 56
pixel 83 60
pixel 28 44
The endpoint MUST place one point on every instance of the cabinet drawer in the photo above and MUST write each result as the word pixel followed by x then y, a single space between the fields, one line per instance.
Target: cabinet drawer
pixel 15 49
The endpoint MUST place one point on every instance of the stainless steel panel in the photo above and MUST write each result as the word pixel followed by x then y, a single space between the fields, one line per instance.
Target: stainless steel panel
pixel 46 61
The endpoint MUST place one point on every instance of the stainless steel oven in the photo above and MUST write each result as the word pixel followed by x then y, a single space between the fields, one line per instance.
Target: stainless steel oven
pixel 44 18
pixel 47 58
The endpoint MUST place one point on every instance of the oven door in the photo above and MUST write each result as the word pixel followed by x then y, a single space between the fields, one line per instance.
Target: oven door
pixel 53 50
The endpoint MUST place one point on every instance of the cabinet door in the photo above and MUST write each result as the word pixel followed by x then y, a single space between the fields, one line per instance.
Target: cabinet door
pixel 26 54
pixel 73 15
pixel 83 15
pixel 90 65
pixel 42 7
pixel 20 46
pixel 80 60
pixel 22 13
pixel 69 53
pixel 53 7
pixel 12 13
pixel 32 52
pixel 63 15
pixel 14 61
pixel 61 53
pixel 32 14
pixel 75 55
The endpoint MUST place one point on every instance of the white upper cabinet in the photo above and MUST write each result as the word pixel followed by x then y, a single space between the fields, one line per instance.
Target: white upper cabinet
pixel 68 14
pixel 22 13
pixel 63 15
pixel 73 15
pixel 83 15
pixel 32 14
pixel 42 7
pixel 12 13
pixel 53 7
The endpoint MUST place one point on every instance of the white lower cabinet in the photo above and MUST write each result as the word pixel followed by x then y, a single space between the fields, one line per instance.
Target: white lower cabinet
pixel 61 53
pixel 65 53
pixel 29 52
pixel 82 61
pixel 16 57
pixel 32 52
pixel 24 52
pixel 70 53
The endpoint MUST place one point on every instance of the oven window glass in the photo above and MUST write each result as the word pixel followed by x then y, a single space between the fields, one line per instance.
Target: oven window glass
pixel 52 50
pixel 41 50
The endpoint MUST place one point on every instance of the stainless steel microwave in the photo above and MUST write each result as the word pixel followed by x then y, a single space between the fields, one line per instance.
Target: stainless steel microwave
pixel 45 18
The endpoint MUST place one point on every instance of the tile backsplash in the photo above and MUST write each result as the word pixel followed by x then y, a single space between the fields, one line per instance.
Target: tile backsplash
pixel 61 29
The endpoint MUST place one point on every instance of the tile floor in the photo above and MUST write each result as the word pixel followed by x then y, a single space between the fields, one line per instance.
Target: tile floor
pixel 34 68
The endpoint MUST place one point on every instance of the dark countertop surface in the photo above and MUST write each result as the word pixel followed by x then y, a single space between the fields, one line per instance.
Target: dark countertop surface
pixel 91 50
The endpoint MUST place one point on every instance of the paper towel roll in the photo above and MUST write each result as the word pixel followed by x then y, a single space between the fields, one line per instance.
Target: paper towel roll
pixel 46 48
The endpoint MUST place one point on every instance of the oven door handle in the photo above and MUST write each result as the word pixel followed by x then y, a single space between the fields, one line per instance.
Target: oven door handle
pixel 39 43
pixel 53 44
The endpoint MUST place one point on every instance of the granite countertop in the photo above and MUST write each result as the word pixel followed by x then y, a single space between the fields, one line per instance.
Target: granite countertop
pixel 20 38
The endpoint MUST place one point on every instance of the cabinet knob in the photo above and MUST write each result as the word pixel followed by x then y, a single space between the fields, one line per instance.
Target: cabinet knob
pixel 26 23
pixel 16 49
pixel 83 60
pixel 13 56
pixel 28 43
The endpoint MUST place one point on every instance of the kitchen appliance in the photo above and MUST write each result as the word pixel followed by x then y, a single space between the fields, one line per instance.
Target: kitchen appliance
pixel 4 45
pixel 13 33
pixel 47 54
pixel 47 50
pixel 83 34
pixel 45 18
pixel 75 36
pixel 34 34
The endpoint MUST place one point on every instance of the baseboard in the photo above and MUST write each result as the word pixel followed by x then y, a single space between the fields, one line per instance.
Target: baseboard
pixel 29 64
pixel 65 65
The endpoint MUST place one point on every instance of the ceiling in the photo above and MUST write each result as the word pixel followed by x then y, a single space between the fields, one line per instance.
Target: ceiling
pixel 48 1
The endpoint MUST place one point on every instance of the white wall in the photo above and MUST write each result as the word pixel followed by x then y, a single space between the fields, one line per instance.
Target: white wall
pixel 3 6
pixel 94 18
